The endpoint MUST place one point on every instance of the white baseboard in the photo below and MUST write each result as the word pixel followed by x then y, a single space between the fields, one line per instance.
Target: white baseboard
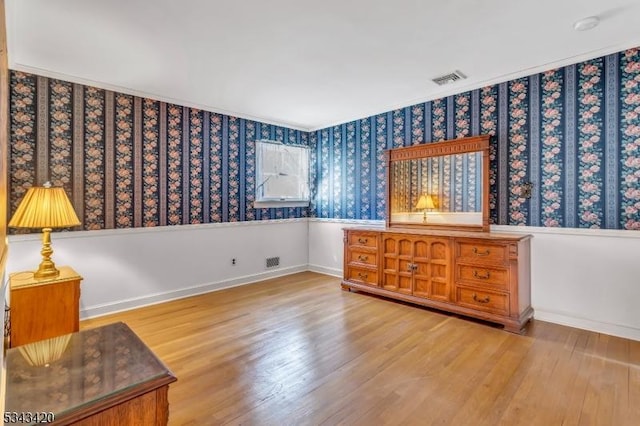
pixel 127 269
pixel 587 324
pixel 153 299
pixel 334 272
pixel 125 305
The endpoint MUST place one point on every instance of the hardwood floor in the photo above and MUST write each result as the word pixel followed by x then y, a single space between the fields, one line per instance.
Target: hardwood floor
pixel 299 350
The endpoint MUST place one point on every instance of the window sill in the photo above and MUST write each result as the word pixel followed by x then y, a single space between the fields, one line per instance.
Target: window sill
pixel 279 203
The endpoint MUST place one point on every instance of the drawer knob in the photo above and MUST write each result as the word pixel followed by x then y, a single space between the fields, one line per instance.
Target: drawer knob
pixel 362 276
pixel 484 276
pixel 362 240
pixel 485 299
pixel 481 253
pixel 363 258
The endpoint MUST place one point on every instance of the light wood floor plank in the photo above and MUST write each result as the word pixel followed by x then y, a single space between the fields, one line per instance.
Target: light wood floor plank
pixel 299 350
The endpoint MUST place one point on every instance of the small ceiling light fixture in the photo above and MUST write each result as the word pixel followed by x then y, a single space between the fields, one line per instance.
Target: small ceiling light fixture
pixel 586 23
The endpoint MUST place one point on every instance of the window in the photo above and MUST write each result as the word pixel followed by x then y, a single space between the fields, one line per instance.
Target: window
pixel 282 175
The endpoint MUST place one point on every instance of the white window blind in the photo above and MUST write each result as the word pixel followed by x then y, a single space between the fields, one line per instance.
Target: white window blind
pixel 282 174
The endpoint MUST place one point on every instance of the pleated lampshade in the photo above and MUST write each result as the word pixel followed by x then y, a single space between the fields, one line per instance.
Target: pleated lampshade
pixel 44 207
pixel 425 202
pixel 43 352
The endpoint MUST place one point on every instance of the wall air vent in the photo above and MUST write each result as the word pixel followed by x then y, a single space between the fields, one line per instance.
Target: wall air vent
pixel 449 78
pixel 272 262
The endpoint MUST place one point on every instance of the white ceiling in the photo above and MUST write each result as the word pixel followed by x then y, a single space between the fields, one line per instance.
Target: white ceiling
pixel 306 64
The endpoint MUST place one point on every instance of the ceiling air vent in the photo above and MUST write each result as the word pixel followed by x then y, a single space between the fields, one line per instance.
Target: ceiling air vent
pixel 449 78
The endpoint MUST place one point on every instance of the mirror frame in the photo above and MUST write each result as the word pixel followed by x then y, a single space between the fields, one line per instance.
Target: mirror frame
pixel 437 149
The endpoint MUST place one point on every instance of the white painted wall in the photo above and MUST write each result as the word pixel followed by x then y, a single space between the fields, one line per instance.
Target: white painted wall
pixel 326 249
pixel 583 278
pixel 128 268
pixel 588 279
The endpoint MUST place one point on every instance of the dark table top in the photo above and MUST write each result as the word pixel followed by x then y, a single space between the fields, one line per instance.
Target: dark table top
pixel 70 373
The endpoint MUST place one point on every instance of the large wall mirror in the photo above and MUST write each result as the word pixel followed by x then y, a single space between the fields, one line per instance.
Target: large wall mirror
pixel 442 185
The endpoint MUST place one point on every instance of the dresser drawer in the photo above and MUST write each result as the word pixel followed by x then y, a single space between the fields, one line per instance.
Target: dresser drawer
pixel 482 252
pixel 481 275
pixel 362 275
pixel 489 301
pixel 363 239
pixel 369 258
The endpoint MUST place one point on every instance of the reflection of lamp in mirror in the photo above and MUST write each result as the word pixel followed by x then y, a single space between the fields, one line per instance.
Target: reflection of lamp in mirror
pixel 425 202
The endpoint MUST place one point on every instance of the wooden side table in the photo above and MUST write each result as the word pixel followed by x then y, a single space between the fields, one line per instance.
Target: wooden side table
pixel 44 308
pixel 100 376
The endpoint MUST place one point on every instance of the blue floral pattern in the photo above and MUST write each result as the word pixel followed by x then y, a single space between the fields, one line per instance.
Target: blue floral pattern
pixel 215 168
pixel 23 138
pixel 337 194
pixel 417 124
pixel 489 126
pixel 590 150
pixel 350 172
pixel 150 159
pixel 250 170
pixel 398 128
pixel 60 160
pixel 551 138
pixel 462 129
pixel 174 165
pixel 365 169
pixel 324 173
pixel 94 159
pixel 439 120
pixel 233 160
pixel 582 162
pixel 630 139
pixel 166 176
pixel 265 133
pixel 195 166
pixel 124 161
pixel 381 177
pixel 518 137
pixel 305 140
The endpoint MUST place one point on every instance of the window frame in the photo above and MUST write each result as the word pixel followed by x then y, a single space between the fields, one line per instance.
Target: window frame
pixel 284 200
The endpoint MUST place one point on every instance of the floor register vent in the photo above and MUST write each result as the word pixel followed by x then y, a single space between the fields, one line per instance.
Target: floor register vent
pixel 272 262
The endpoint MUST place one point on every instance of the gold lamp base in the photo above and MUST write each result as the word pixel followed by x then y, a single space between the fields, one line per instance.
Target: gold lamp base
pixel 46 269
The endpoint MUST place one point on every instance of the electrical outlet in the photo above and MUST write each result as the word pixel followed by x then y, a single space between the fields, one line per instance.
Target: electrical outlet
pixel 233 261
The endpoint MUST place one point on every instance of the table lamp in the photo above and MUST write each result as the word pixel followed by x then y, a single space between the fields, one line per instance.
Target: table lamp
pixel 425 202
pixel 45 207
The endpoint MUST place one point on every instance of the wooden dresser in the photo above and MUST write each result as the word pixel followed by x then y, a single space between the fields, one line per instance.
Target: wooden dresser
pixel 478 274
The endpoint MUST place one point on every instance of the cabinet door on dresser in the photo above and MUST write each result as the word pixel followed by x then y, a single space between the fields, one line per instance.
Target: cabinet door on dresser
pixel 432 260
pixel 417 266
pixel 397 266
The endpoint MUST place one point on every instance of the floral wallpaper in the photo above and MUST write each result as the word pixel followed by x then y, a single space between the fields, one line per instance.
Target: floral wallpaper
pixel 573 132
pixel 128 162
